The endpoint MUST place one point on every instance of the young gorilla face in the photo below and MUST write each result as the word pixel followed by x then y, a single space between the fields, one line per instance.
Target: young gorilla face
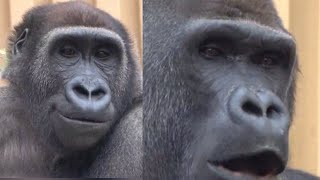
pixel 218 90
pixel 84 60
pixel 76 81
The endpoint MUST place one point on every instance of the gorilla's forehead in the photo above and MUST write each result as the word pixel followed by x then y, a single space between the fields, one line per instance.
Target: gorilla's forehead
pixel 236 8
pixel 260 11
pixel 81 31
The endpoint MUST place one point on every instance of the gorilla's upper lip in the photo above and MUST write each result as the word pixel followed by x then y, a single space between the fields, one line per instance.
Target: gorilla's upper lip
pixel 262 165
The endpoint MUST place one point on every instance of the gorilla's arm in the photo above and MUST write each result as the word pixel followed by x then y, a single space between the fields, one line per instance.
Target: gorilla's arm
pixel 291 174
pixel 121 154
pixel 21 155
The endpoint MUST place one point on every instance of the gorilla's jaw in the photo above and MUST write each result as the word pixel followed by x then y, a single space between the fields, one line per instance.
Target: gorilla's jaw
pixel 238 161
pixel 231 142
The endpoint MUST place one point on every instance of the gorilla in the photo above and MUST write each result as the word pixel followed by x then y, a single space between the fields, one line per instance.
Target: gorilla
pixel 219 82
pixel 291 174
pixel 73 106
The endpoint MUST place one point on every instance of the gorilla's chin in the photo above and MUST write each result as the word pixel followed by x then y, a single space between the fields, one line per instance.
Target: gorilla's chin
pixel 77 134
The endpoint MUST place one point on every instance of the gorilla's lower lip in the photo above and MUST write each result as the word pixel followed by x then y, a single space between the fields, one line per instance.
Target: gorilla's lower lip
pixel 75 134
pixel 81 120
pixel 263 165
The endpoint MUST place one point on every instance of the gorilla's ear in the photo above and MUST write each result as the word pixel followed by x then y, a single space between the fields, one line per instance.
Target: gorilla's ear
pixel 20 41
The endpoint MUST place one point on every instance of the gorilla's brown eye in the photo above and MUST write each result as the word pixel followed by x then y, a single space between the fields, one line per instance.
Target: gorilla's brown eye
pixel 103 54
pixel 68 52
pixel 268 60
pixel 210 52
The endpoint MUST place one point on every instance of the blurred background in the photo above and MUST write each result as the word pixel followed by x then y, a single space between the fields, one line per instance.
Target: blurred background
pixel 302 19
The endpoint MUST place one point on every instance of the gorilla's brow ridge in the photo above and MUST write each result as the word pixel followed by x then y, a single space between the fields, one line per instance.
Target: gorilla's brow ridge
pixel 194 24
pixel 51 35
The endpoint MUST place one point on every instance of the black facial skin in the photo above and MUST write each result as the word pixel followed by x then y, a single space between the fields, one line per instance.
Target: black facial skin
pixel 73 77
pixel 85 59
pixel 247 106
pixel 219 80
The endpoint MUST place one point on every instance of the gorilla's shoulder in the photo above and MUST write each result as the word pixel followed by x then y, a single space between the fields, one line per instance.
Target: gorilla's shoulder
pixel 3 91
pixel 7 96
pixel 292 174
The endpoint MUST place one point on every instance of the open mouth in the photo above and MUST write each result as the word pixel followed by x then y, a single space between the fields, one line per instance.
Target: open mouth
pixel 264 164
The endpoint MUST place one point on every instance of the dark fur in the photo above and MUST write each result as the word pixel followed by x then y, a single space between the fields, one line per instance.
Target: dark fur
pixel 121 155
pixel 291 174
pixel 27 138
pixel 173 109
pixel 22 153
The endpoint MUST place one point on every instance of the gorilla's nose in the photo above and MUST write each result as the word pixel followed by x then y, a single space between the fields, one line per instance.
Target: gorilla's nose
pixel 89 94
pixel 257 107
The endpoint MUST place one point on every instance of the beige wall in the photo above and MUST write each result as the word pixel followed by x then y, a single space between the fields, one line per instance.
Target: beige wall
pixel 318 88
pixel 302 18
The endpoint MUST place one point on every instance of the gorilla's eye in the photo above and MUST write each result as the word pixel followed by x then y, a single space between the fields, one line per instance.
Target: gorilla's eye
pixel 103 54
pixel 68 52
pixel 267 60
pixel 210 52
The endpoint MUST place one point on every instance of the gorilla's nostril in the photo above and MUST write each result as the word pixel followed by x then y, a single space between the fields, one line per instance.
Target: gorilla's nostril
pixel 251 108
pixel 90 96
pixel 81 91
pixel 273 111
pixel 98 93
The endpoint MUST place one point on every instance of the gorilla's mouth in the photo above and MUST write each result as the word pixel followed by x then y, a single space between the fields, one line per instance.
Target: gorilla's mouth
pixel 82 119
pixel 77 132
pixel 263 164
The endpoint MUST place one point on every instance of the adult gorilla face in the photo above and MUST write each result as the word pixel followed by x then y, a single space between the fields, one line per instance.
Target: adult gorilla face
pixel 239 72
pixel 218 90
